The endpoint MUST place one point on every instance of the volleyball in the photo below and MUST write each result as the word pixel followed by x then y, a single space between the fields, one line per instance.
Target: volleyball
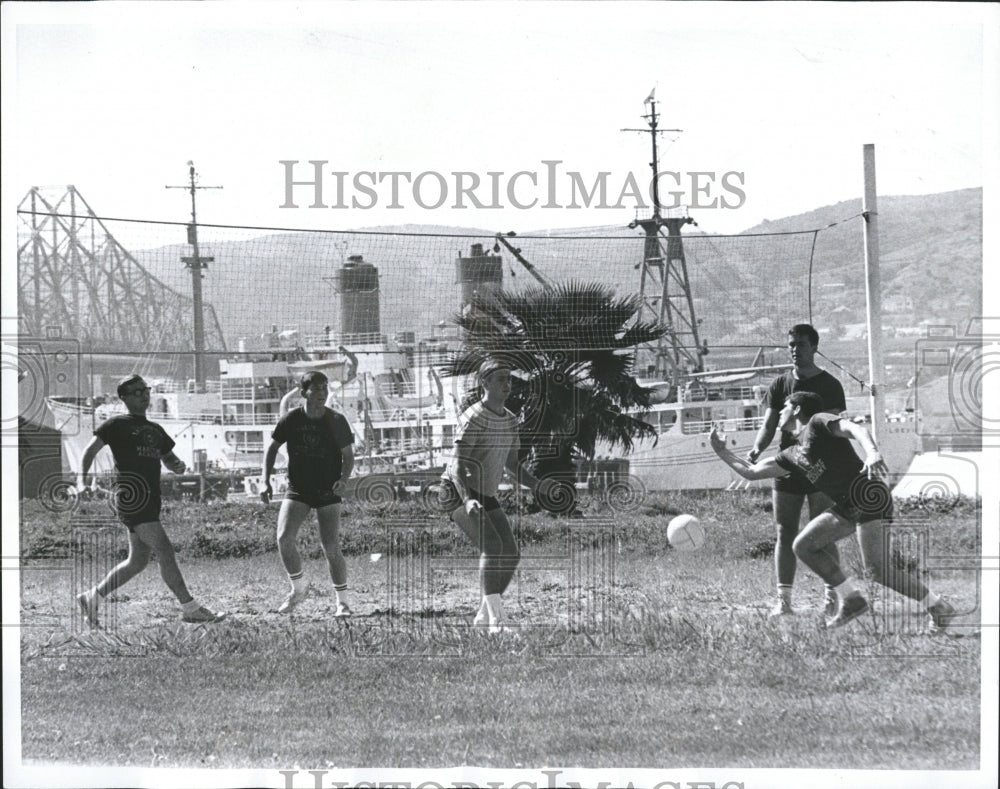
pixel 685 533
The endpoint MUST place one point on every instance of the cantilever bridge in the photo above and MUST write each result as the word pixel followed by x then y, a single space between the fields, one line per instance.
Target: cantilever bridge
pixel 73 274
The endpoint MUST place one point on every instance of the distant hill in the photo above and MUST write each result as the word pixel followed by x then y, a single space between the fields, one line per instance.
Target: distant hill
pixel 745 288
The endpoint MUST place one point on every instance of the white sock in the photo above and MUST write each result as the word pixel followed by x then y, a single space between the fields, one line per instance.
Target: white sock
pixel 931 599
pixel 298 582
pixel 341 592
pixel 846 589
pixel 190 606
pixel 829 591
pixel 785 593
pixel 493 607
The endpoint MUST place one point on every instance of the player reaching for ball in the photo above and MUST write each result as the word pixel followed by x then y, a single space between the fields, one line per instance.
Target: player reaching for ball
pixel 824 457
pixel 791 492
pixel 486 444
pixel 138 447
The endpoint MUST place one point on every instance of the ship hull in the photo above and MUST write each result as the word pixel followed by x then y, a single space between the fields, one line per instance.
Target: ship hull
pixel 688 462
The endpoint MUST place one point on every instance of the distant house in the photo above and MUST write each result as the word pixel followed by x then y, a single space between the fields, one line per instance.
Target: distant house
pixel 897 302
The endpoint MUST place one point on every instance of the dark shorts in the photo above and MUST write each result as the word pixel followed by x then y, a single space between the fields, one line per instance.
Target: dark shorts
pixel 132 512
pixel 449 499
pixel 794 483
pixel 867 500
pixel 314 499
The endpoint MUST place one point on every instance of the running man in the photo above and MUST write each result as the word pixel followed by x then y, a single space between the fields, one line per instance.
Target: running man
pixel 790 493
pixel 320 460
pixel 825 457
pixel 486 444
pixel 138 447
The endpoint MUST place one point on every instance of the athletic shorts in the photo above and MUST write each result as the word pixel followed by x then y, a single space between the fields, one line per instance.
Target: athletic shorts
pixel 449 498
pixel 867 500
pixel 314 499
pixel 131 513
pixel 794 483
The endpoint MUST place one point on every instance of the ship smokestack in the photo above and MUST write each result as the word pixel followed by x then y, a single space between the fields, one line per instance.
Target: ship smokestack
pixel 479 272
pixel 357 283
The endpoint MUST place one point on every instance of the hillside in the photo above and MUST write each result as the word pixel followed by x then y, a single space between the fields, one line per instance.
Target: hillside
pixel 746 289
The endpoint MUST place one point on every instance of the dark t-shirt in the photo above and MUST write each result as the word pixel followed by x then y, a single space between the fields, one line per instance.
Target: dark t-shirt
pixel 314 448
pixel 137 446
pixel 823 384
pixel 829 462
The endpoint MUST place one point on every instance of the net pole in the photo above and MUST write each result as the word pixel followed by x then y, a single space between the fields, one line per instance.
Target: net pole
pixel 873 293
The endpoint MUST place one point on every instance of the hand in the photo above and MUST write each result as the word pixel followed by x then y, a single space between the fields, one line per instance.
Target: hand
pixel 875 466
pixel 176 465
pixel 753 454
pixel 472 506
pixel 716 438
pixel 338 488
pixel 266 493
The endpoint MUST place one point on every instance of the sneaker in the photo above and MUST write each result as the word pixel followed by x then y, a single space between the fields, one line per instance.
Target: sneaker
pixel 942 615
pixel 343 609
pixel 851 608
pixel 293 599
pixel 202 615
pixel 781 608
pixel 88 607
pixel 831 606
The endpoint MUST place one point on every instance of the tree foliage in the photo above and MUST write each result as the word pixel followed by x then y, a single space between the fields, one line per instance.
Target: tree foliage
pixel 572 352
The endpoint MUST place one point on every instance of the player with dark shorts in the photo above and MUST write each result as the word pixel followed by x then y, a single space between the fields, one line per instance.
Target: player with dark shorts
pixel 139 447
pixel 790 493
pixel 320 460
pixel 862 503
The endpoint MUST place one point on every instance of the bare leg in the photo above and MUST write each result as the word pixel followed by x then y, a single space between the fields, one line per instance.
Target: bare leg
pixel 812 546
pixel 498 555
pixel 871 537
pixel 329 535
pixel 135 563
pixel 787 510
pixel 153 535
pixel 290 517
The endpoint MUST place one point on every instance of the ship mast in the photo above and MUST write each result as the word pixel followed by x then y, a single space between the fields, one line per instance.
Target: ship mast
pixel 664 289
pixel 196 263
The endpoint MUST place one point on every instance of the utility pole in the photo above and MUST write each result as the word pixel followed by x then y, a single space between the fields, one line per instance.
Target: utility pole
pixel 196 263
pixel 671 267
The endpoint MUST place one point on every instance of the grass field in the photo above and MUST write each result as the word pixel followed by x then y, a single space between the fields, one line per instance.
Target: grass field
pixel 620 650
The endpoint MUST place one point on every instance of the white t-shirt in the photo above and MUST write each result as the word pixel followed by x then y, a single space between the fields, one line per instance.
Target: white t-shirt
pixel 485 440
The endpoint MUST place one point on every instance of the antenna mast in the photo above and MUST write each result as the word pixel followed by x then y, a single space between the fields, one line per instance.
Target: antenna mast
pixel 664 263
pixel 196 263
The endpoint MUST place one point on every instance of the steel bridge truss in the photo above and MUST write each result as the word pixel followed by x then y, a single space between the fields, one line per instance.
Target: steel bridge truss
pixel 72 273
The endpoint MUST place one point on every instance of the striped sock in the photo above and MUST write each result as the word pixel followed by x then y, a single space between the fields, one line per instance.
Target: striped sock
pixel 298 581
pixel 341 592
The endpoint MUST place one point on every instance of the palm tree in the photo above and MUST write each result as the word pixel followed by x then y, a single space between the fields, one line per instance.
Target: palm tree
pixel 571 348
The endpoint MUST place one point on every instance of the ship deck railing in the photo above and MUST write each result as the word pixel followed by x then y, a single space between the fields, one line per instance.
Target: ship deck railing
pixel 692 427
pixel 334 340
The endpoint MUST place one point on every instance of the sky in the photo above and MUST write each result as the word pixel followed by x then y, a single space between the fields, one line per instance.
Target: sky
pixel 774 102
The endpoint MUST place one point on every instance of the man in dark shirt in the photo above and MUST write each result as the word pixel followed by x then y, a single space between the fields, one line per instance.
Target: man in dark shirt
pixel 789 494
pixel 138 447
pixel 825 458
pixel 320 459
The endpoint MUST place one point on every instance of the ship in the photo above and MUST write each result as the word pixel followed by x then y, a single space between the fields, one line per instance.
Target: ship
pixel 401 413
pixel 404 418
